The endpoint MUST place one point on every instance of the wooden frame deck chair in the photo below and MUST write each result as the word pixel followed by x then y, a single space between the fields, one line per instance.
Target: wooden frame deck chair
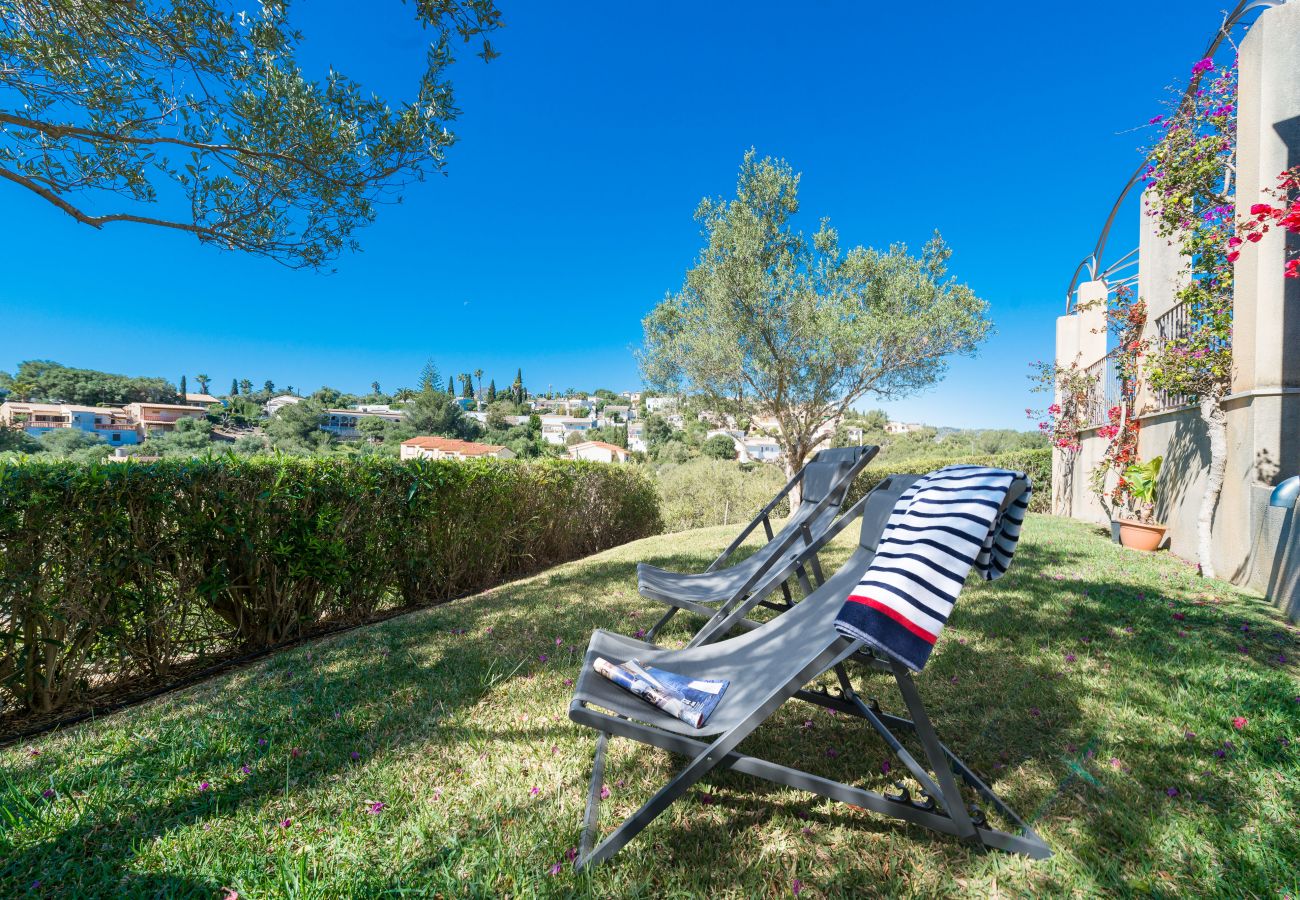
pixel 765 668
pixel 824 482
pixel 874 508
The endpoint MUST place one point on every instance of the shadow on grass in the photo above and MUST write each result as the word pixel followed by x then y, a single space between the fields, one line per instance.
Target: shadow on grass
pixel 1042 729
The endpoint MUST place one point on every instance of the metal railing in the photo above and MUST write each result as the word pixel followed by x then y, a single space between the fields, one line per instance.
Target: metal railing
pixel 1173 325
pixel 1106 392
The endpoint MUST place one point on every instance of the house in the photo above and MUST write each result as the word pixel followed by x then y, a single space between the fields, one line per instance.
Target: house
pixel 201 399
pixel 511 421
pixel 660 405
pixel 448 448
pixel 343 422
pixel 902 427
pixel 151 417
pixel 556 429
pixel 760 448
pixel 599 451
pixel 275 404
pixel 115 426
pixel 614 414
pixel 636 437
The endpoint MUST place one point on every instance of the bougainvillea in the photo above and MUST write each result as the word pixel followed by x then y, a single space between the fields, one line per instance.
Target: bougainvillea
pixel 1190 180
pixel 1126 316
pixel 1283 212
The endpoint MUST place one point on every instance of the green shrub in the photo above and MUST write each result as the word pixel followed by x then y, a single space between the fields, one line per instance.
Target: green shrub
pixel 111 572
pixel 706 492
pixel 1037 463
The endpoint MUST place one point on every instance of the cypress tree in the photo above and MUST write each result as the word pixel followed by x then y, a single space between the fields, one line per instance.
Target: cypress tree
pixel 451 386
pixel 234 388
pixel 180 395
pixel 492 391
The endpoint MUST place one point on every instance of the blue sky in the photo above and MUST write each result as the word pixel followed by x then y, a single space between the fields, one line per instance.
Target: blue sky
pixel 566 211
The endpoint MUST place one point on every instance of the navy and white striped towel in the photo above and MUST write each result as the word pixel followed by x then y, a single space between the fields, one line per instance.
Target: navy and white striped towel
pixel 947 522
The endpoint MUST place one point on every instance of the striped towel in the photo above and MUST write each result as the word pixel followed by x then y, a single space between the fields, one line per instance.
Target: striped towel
pixel 943 525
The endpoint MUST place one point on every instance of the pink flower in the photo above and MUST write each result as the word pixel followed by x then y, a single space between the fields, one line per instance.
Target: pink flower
pixel 885 767
pixel 541 657
pixel 1180 616
pixel 1172 792
pixel 246 770
pixel 376 808
pixel 604 792
pixel 1239 722
pixel 1203 66
pixel 796 886
pixel 1260 209
pixel 534 791
pixel 203 786
pixel 571 854
pixel 286 823
pixel 555 869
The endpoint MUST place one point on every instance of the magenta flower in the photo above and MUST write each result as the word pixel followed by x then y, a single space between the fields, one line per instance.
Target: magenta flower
pixel 885 767
pixel 261 742
pixel 203 786
pixel 1204 65
pixel 559 641
pixel 555 869
pixel 706 798
pixel 534 790
pixel 246 770
pixel 1239 722
pixel 355 755
pixel 1069 657
pixel 286 823
pixel 1180 616
pixel 568 682
pixel 376 808
pixel 33 753
pixel 571 854
pixel 832 752
pixel 1035 711
pixel 796 886
pixel 48 793
pixel 640 633
pixel 295 753
pixel 541 657
pixel 604 791
pixel 1172 792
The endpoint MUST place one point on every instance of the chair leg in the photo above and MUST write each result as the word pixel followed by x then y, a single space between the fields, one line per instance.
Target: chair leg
pixel 951 794
pixel 591 817
pixel 654 629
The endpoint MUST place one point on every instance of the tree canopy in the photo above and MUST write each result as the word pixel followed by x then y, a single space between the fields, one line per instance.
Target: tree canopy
pixel 774 323
pixel 44 381
pixel 191 115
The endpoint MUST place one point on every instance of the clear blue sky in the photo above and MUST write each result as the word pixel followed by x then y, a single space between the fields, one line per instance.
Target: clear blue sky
pixel 565 214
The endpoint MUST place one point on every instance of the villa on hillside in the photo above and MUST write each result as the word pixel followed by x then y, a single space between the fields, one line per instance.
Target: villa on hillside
pixel 343 422
pixel 599 451
pixel 449 448
pixel 556 429
pixel 902 427
pixel 275 404
pixel 115 426
pixel 151 417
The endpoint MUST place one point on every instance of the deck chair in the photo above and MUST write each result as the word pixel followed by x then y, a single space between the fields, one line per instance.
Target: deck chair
pixel 824 482
pixel 873 507
pixel 767 667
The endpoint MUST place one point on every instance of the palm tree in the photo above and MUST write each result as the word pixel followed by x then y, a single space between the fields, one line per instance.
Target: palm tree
pixel 374 387
pixel 203 382
pixel 245 386
pixel 478 373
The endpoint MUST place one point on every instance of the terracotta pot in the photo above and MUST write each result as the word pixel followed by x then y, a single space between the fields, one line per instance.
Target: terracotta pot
pixel 1140 536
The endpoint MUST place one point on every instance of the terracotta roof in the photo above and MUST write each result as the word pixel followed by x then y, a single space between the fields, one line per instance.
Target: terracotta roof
pixel 201 398
pixel 601 444
pixel 450 445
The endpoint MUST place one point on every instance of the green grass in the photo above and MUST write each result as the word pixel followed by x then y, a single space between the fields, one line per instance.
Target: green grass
pixel 1066 684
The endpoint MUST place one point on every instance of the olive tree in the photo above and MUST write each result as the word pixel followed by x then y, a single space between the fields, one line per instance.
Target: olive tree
pixel 193 116
pixel 774 324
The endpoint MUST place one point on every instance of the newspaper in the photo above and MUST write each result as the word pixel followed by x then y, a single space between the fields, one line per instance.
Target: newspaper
pixel 689 700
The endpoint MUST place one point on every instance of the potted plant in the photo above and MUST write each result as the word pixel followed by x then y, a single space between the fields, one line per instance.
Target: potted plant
pixel 1142 532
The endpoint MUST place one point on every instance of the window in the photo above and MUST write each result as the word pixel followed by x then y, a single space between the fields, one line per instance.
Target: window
pixel 117 437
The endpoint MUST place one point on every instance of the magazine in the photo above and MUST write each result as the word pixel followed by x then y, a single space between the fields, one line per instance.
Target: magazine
pixel 689 699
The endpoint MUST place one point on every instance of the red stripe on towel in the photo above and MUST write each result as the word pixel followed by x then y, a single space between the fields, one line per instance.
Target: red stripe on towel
pixel 896 616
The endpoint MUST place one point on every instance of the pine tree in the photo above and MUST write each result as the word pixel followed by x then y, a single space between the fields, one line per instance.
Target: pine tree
pixel 234 388
pixel 429 377
pixel 492 391
pixel 517 389
pixel 451 386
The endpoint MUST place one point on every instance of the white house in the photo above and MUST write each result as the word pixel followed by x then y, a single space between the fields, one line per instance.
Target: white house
pixel 275 404
pixel 760 448
pixel 448 448
pixel 343 422
pixel 636 437
pixel 556 429
pixel 660 405
pixel 599 451
pixel 116 426
pixel 902 427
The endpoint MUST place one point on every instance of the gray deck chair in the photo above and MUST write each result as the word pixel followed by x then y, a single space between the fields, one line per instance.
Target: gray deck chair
pixel 824 482
pixel 767 667
pixel 874 507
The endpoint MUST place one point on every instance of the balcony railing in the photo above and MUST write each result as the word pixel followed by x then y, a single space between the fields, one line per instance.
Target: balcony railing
pixel 1174 325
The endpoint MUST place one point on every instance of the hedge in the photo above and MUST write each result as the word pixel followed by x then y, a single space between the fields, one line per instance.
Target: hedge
pixel 1036 463
pixel 115 572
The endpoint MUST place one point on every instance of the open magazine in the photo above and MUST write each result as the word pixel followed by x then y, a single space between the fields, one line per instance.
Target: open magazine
pixel 692 700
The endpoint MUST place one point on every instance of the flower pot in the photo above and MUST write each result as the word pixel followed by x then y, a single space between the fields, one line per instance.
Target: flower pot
pixel 1140 536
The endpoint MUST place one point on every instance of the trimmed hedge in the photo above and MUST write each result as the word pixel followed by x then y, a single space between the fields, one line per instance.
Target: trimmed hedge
pixel 119 571
pixel 1037 463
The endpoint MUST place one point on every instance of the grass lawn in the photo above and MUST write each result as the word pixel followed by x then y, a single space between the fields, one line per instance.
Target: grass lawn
pixel 1094 688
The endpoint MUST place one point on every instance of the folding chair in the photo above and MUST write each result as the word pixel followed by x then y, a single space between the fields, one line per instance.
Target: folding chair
pixel 824 482
pixel 873 507
pixel 766 667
